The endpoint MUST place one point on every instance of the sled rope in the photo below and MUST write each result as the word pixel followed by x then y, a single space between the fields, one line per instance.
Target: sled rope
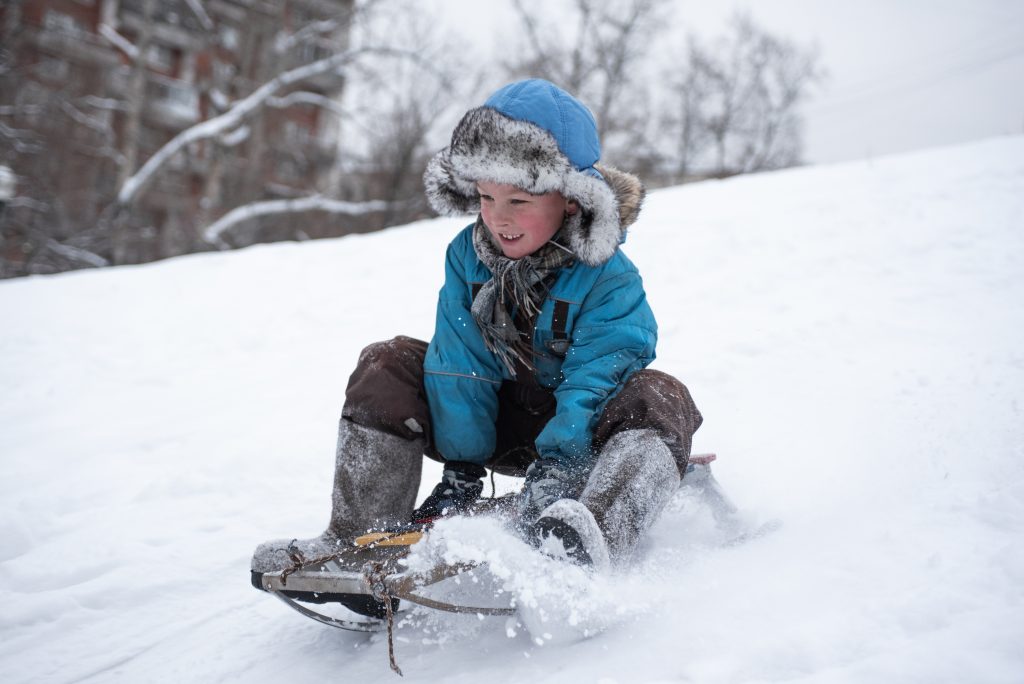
pixel 390 610
pixel 300 562
pixel 375 575
pixel 404 587
pixel 400 587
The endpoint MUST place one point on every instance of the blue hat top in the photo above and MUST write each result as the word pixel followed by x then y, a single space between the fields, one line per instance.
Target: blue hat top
pixel 547 106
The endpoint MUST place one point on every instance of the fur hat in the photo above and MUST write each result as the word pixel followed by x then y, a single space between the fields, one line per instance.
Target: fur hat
pixel 537 137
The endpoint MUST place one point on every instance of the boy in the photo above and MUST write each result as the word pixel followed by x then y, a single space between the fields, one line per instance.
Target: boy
pixel 538 361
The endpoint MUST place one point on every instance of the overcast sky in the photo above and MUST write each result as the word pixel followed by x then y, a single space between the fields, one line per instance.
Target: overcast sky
pixel 903 74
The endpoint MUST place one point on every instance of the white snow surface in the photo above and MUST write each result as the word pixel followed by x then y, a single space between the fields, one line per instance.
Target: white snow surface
pixel 853 334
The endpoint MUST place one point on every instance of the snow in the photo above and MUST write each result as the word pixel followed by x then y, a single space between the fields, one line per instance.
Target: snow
pixel 852 334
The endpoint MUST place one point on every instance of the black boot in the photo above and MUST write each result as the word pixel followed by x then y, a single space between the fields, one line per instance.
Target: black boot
pixel 559 539
pixel 460 486
pixel 547 481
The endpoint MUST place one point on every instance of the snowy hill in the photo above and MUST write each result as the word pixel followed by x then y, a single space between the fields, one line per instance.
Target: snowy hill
pixel 854 335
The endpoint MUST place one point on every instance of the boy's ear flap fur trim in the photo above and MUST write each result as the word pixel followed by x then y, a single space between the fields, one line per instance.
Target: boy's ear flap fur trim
pixel 593 232
pixel 629 192
pixel 445 193
pixel 607 208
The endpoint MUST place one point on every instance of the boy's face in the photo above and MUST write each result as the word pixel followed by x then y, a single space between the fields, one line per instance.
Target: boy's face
pixel 521 223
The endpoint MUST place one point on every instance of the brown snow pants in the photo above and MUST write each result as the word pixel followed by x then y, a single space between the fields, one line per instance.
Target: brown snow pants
pixel 386 393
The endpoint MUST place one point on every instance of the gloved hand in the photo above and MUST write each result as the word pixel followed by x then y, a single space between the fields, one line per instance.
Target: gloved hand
pixel 547 481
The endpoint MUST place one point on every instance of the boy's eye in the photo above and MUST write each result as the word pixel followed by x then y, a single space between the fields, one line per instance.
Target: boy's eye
pixel 517 201
pixel 486 197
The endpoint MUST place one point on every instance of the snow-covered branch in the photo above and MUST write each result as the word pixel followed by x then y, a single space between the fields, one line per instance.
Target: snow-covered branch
pixel 286 41
pixel 238 113
pixel 219 99
pixel 236 137
pixel 305 97
pixel 102 103
pixel 76 254
pixel 197 9
pixel 29 203
pixel 19 110
pixel 120 42
pixel 81 117
pixel 22 140
pixel 214 231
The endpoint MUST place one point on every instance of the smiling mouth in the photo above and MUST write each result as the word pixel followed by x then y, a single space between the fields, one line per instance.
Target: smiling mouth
pixel 509 237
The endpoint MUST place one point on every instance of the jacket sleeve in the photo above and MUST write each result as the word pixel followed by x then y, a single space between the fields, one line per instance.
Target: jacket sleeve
pixel 461 377
pixel 614 335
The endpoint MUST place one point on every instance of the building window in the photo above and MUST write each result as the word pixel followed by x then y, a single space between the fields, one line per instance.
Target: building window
pixel 309 52
pixel 31 99
pixel 53 69
pixel 223 72
pixel 64 23
pixel 160 57
pixel 297 134
pixel 229 37
pixel 287 169
pixel 175 97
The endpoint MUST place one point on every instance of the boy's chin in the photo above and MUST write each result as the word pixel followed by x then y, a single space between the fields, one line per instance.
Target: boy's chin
pixel 513 254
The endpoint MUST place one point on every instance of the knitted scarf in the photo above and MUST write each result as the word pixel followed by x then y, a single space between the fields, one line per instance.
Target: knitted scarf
pixel 516 285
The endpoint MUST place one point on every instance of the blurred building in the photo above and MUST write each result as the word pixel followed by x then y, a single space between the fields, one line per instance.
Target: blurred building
pixel 90 89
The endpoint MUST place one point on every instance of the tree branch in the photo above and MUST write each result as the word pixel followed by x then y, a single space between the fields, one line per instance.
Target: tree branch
pixel 76 254
pixel 111 35
pixel 237 114
pixel 214 232
pixel 306 97
pixel 197 9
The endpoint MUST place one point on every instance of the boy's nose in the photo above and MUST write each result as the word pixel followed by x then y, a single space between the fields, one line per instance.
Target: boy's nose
pixel 500 215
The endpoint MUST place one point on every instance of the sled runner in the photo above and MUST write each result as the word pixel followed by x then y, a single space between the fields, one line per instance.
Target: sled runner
pixel 368 579
pixel 367 589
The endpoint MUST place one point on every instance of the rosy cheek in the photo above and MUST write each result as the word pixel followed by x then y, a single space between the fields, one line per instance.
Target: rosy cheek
pixel 532 223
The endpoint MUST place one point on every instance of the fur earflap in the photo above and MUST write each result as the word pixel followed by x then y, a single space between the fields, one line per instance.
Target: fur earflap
pixel 629 192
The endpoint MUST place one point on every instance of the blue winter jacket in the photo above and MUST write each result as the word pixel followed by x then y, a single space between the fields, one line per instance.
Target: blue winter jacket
pixel 610 333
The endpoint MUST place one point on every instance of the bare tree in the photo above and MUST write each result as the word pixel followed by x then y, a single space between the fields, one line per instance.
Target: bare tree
pixel 400 112
pixel 683 117
pixel 601 59
pixel 735 104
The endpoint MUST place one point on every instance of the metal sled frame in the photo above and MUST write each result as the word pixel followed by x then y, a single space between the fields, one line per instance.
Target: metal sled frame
pixel 380 579
pixel 327 577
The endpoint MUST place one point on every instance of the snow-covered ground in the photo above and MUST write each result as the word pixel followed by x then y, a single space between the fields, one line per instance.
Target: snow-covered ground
pixel 854 335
